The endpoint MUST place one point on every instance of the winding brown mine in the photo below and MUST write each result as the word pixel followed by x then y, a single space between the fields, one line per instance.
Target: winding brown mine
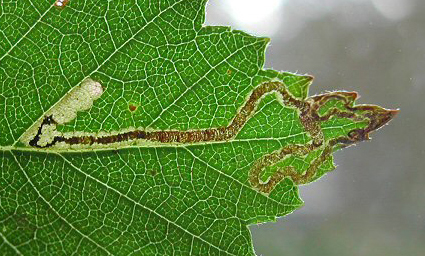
pixel 47 137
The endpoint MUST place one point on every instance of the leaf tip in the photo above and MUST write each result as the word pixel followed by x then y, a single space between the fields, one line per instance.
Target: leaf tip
pixel 310 78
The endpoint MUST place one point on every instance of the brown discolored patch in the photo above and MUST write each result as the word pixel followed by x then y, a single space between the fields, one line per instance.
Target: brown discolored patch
pixel 22 222
pixel 229 72
pixel 132 107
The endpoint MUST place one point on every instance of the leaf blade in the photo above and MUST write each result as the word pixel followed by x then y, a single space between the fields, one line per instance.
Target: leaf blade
pixel 164 198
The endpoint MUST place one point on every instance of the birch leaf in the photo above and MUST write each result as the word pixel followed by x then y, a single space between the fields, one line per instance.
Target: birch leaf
pixel 129 127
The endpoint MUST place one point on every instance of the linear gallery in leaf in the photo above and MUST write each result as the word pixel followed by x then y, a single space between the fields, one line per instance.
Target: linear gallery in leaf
pixel 132 128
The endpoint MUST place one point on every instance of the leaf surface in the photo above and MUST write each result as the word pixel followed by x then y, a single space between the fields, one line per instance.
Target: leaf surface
pixel 131 128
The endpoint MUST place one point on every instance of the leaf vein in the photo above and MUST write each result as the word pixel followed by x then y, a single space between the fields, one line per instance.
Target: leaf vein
pixel 140 205
pixel 53 209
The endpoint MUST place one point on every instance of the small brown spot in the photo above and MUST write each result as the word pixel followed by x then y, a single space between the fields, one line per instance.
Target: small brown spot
pixel 132 107
pixel 229 72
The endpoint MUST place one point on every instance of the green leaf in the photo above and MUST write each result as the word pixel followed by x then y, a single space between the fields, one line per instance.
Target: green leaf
pixel 131 128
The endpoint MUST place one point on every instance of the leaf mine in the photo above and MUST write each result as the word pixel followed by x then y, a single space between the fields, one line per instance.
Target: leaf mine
pixel 82 97
pixel 192 141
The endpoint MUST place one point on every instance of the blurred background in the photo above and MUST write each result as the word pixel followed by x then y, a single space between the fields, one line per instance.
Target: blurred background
pixel 374 202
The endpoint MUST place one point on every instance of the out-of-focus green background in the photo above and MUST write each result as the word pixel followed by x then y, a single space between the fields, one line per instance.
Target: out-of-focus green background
pixel 374 202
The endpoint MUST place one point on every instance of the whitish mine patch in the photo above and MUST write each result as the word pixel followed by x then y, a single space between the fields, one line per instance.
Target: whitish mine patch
pixel 80 98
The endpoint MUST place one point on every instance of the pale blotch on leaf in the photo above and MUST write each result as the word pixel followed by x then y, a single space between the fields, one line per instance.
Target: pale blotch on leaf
pixel 80 98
